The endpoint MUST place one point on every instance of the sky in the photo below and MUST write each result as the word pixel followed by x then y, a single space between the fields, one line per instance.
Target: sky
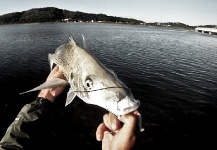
pixel 190 12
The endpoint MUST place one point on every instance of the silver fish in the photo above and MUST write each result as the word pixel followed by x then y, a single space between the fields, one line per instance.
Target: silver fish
pixel 90 80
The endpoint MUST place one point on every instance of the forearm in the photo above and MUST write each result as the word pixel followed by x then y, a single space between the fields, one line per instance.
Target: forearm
pixel 27 125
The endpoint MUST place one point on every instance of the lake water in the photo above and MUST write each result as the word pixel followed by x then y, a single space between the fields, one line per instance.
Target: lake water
pixel 172 72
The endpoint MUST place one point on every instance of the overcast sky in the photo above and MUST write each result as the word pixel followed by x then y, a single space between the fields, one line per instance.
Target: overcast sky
pixel 191 12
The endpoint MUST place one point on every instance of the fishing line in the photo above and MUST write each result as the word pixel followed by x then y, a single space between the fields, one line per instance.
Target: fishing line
pixel 103 89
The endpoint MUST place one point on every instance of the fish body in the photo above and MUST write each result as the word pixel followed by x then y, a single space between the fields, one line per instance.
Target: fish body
pixel 90 80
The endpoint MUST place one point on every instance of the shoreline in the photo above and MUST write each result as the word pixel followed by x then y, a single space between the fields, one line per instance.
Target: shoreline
pixel 144 25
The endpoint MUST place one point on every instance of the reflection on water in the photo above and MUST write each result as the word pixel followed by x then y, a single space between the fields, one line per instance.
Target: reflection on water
pixel 172 73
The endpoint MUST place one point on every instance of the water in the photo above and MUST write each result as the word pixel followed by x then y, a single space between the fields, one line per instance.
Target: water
pixel 172 72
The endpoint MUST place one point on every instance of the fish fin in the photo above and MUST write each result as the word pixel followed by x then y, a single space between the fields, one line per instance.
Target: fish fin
pixel 72 41
pixel 50 61
pixel 112 71
pixel 84 42
pixel 70 96
pixel 52 83
pixel 85 47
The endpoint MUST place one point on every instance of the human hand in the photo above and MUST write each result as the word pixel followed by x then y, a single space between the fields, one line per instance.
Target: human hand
pixel 52 93
pixel 116 136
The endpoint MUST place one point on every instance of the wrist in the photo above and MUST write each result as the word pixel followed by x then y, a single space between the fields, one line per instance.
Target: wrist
pixel 45 102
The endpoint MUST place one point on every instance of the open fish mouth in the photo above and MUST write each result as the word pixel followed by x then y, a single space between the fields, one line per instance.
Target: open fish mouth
pixel 125 106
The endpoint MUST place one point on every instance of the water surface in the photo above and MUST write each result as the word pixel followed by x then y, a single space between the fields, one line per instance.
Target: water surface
pixel 172 72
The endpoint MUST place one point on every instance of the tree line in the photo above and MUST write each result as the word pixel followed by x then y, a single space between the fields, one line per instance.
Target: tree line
pixel 52 14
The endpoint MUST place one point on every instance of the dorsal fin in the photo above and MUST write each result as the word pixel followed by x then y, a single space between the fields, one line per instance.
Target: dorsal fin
pixel 85 47
pixel 84 42
pixel 72 41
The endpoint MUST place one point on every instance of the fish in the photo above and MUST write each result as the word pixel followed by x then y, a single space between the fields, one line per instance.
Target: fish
pixel 89 80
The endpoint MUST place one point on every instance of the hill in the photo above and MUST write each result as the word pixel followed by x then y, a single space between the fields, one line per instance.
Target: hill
pixel 52 14
pixel 177 25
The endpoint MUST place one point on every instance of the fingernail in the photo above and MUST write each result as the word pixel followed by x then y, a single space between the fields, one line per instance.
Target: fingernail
pixel 98 137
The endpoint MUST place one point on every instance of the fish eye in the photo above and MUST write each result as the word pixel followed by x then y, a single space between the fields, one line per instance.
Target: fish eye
pixel 89 83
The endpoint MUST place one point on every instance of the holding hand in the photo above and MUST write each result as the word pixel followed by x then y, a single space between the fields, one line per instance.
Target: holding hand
pixel 52 93
pixel 115 136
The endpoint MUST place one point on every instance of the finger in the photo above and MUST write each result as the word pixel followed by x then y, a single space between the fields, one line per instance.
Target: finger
pixel 114 122
pixel 59 74
pixel 126 136
pixel 100 131
pixel 56 73
pixel 52 72
pixel 107 140
pixel 56 91
pixel 130 122
pixel 111 121
pixel 55 69
pixel 107 119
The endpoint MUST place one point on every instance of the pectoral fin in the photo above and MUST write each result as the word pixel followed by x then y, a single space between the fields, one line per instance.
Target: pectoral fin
pixel 52 83
pixel 70 96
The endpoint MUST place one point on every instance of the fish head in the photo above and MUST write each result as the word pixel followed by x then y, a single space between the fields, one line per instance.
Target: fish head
pixel 95 84
pixel 108 92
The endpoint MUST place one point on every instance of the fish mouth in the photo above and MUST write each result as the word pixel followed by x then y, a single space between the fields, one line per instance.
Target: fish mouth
pixel 125 107
pixel 115 102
